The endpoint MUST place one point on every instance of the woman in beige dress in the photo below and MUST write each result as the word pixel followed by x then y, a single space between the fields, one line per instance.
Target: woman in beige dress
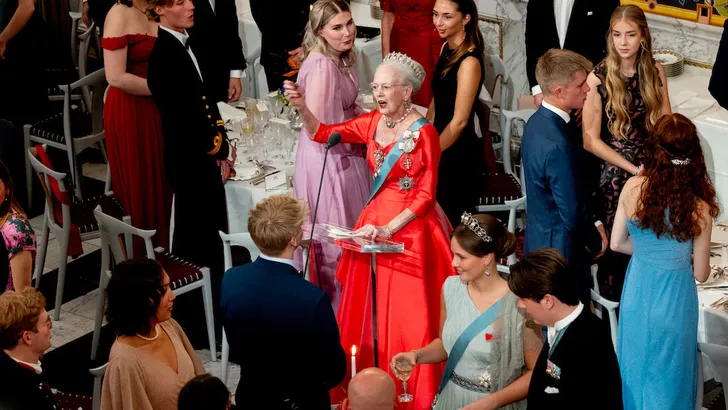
pixel 151 358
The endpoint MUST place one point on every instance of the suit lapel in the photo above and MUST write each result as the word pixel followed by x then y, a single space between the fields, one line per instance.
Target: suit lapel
pixel 176 49
pixel 549 15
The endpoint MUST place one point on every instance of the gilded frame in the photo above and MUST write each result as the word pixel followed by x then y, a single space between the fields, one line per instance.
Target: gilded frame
pixel 653 6
pixel 496 23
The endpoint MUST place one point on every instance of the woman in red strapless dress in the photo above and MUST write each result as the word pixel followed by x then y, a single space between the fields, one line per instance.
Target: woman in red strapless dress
pixel 407 28
pixel 132 124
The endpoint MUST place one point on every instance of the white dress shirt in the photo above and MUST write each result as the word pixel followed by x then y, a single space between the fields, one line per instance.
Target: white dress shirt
pixel 279 260
pixel 558 111
pixel 182 37
pixel 562 12
pixel 559 325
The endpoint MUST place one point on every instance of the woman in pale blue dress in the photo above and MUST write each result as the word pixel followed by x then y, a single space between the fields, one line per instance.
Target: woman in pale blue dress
pixel 664 221
pixel 494 370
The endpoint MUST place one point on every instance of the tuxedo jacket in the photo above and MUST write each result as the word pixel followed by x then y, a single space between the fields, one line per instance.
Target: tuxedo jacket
pixel 586 33
pixel 194 135
pixel 587 366
pixel 283 333
pixel 218 31
pixel 560 213
pixel 719 78
pixel 22 388
pixel 278 37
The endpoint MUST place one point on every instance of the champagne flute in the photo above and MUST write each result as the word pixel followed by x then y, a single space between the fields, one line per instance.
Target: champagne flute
pixel 403 370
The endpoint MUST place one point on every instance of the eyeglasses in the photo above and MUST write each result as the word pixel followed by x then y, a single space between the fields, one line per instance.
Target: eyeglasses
pixel 386 87
pixel 48 323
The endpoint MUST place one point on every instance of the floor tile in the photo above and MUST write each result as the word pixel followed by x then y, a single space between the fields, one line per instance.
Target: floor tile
pixel 95 171
pixel 84 306
pixel 69 328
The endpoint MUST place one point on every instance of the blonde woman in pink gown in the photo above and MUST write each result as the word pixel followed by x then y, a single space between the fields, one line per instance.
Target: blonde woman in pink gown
pixel 331 86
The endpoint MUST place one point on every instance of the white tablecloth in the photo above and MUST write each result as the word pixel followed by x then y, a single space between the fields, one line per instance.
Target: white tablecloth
pixel 713 322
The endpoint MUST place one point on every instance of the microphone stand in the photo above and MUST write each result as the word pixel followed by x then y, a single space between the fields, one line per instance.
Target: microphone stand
pixel 333 140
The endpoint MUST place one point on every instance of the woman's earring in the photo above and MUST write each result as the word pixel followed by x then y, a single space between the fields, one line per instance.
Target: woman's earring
pixel 644 47
pixel 487 271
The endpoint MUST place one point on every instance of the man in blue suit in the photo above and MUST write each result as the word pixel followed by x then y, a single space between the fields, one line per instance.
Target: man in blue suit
pixel 559 213
pixel 281 328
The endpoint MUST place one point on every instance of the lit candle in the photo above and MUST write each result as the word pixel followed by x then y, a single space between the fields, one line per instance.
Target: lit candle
pixel 353 361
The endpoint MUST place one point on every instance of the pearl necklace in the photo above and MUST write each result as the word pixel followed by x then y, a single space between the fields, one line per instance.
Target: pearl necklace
pixel 389 123
pixel 150 339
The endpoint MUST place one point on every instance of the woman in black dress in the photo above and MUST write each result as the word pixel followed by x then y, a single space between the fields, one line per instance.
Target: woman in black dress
pixel 21 63
pixel 456 82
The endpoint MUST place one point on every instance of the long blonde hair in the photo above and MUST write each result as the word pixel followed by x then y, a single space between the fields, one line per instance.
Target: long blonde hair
pixel 321 13
pixel 620 122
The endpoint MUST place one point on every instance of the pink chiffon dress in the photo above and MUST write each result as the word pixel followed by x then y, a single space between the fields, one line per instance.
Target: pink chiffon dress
pixel 330 94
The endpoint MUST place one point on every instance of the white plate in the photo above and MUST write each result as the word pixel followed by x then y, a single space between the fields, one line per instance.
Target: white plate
pixel 244 172
pixel 665 58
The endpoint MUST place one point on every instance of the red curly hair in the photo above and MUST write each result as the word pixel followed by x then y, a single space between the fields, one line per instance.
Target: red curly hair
pixel 675 178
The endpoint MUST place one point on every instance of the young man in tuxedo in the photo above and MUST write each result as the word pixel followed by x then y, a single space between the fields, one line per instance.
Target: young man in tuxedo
pixel 216 27
pixel 281 38
pixel 280 327
pixel 561 213
pixel 25 334
pixel 576 25
pixel 197 156
pixel 577 368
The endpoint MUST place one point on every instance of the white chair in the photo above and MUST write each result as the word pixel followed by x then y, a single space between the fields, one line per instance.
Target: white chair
pixel 73 130
pixel 184 276
pixel 611 311
pixel 494 70
pixel 63 213
pixel 81 402
pixel 242 239
pixel 718 357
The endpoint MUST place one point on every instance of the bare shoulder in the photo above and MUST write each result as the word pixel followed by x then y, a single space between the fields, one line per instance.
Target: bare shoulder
pixel 116 21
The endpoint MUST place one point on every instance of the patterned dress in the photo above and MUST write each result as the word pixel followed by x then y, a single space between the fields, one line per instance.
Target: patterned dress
pixel 632 148
pixel 18 236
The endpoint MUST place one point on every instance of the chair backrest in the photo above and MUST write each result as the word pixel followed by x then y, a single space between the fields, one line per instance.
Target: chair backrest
pixel 612 311
pixel 494 70
pixel 58 198
pixel 111 231
pixel 98 374
pixel 95 84
pixel 242 239
pixel 507 124
pixel 83 45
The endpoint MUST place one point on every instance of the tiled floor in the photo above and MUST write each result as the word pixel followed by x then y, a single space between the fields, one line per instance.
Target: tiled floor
pixel 77 318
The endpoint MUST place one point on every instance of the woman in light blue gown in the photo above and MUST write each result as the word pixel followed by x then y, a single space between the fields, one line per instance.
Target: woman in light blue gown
pixel 664 220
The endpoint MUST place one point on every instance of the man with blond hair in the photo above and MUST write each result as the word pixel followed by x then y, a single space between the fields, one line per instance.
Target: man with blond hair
pixel 559 213
pixel 371 389
pixel 25 333
pixel 280 328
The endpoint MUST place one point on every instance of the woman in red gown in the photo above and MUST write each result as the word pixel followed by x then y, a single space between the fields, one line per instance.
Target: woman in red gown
pixel 407 28
pixel 132 124
pixel 403 207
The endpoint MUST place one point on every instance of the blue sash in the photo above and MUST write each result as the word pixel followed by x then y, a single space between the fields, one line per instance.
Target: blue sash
pixel 458 349
pixel 391 159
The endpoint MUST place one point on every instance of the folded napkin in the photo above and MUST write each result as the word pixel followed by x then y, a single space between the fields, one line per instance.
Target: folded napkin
pixel 228 112
pixel 694 107
pixel 681 97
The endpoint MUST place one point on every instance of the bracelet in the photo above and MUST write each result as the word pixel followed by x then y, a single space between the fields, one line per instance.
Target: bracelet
pixel 417 356
pixel 639 170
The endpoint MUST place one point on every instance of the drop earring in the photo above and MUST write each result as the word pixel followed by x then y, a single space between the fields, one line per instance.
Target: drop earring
pixel 487 271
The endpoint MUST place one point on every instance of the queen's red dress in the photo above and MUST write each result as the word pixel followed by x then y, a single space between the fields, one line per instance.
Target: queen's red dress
pixel 409 284
pixel 414 34
pixel 135 145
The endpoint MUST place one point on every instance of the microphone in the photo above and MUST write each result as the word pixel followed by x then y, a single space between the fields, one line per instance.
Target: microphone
pixel 334 139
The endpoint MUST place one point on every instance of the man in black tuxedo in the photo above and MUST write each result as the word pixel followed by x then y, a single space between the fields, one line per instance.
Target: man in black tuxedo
pixel 719 77
pixel 280 327
pixel 576 25
pixel 281 37
pixel 25 334
pixel 577 368
pixel 216 27
pixel 196 147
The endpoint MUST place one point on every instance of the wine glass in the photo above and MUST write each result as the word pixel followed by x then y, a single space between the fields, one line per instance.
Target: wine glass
pixel 403 370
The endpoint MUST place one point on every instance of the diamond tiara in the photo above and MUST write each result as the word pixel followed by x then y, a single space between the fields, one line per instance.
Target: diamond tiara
pixel 472 224
pixel 404 61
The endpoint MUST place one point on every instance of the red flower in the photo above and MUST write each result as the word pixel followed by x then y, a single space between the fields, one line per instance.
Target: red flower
pixel 488 337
